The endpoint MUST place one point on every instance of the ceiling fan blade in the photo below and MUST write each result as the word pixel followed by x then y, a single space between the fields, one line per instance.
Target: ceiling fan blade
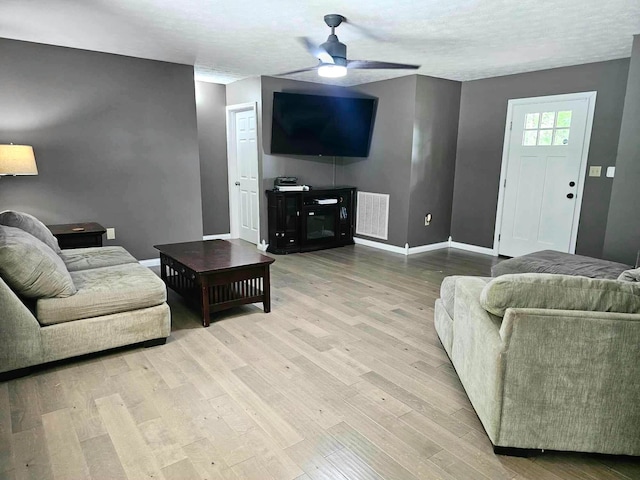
pixel 317 51
pixel 372 65
pixel 308 69
pixel 367 32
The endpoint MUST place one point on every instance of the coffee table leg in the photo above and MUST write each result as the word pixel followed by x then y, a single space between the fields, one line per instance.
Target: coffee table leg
pixel 163 269
pixel 204 285
pixel 266 294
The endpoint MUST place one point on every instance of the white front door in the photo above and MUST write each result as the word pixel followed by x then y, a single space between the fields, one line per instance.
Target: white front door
pixel 247 168
pixel 543 173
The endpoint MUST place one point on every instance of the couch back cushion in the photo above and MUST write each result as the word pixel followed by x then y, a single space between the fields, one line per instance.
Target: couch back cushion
pixel 559 292
pixel 32 225
pixel 30 267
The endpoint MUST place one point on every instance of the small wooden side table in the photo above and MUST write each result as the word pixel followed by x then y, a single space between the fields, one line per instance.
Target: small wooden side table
pixel 78 235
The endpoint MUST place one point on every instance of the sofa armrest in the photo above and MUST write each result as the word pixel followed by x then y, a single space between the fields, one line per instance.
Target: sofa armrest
pixel 550 261
pixel 476 352
pixel 571 380
pixel 20 342
pixel 485 325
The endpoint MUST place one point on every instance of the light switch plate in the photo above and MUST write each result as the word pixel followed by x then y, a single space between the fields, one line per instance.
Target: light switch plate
pixel 611 172
pixel 111 233
pixel 595 171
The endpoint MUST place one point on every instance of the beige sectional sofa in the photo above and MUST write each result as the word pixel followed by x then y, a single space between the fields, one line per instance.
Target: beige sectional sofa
pixel 65 303
pixel 547 361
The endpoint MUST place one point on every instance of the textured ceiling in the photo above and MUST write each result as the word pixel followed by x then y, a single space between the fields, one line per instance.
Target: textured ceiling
pixel 229 40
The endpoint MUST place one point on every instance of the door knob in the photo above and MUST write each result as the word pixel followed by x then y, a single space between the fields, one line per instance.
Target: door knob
pixel 237 184
pixel 569 195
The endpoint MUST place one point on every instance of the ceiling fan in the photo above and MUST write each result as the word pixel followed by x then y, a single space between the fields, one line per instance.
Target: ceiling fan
pixel 332 55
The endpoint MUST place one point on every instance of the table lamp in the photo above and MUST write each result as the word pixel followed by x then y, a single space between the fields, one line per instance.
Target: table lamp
pixel 17 160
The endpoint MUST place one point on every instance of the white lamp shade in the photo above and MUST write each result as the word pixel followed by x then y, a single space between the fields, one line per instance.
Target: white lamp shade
pixel 17 160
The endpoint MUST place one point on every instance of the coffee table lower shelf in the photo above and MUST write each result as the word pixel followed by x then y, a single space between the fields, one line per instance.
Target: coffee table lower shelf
pixel 217 291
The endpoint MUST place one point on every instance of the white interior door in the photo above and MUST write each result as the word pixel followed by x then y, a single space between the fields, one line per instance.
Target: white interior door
pixel 246 149
pixel 543 173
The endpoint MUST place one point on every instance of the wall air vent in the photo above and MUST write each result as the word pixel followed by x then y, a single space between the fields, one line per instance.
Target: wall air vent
pixel 373 215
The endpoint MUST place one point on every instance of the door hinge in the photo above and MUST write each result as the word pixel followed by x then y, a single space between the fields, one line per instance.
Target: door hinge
pixel 510 125
pixel 499 236
pixel 505 183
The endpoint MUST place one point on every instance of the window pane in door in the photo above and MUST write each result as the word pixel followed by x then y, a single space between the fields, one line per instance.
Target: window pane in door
pixel 564 119
pixel 531 120
pixel 561 136
pixel 530 137
pixel 545 137
pixel 548 119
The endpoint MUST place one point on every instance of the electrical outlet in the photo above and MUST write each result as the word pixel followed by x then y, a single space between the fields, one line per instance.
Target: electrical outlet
pixel 595 171
pixel 111 233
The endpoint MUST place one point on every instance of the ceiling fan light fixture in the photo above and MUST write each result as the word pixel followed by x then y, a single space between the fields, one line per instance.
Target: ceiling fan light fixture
pixel 332 71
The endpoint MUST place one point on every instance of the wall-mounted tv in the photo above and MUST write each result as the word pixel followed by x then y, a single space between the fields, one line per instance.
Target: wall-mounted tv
pixel 321 125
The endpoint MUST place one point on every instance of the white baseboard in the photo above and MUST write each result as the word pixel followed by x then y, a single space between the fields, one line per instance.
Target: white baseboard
pixel 219 236
pixel 406 250
pixel 428 248
pixel 152 262
pixel 473 248
pixel 380 246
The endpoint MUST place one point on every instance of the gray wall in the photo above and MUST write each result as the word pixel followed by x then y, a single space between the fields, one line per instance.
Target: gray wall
pixel 386 170
pixel 435 135
pixel 212 141
pixel 388 167
pixel 483 109
pixel 115 140
pixel 244 91
pixel 622 241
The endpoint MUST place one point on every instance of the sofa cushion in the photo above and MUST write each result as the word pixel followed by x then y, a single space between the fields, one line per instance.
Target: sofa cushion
pixel 559 292
pixel 30 267
pixel 630 275
pixel 103 291
pixel 549 261
pixel 77 259
pixel 30 224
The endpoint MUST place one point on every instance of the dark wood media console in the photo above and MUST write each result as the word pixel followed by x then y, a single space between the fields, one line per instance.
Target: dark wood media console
pixel 311 220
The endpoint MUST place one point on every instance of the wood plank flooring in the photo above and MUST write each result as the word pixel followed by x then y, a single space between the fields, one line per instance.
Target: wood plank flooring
pixel 344 379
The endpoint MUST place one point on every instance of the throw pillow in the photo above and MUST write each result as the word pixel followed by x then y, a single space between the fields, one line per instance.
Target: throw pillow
pixel 559 292
pixel 30 267
pixel 30 224
pixel 630 275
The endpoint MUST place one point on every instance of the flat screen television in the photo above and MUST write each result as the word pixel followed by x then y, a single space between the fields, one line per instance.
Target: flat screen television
pixel 321 125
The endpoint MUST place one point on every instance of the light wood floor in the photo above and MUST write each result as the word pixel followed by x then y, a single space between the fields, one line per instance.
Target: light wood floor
pixel 344 379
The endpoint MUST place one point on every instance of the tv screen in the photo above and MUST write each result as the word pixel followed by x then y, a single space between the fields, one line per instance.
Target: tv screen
pixel 321 125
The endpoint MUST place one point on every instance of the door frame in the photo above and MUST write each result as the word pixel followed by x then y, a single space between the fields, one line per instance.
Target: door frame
pixel 591 98
pixel 232 165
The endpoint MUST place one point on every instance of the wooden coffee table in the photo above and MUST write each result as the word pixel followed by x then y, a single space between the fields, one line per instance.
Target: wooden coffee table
pixel 216 274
